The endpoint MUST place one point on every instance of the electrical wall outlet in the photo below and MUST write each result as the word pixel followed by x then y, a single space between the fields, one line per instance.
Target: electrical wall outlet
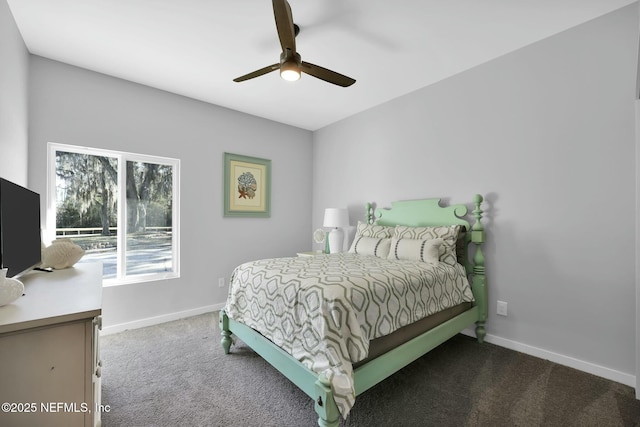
pixel 221 282
pixel 502 308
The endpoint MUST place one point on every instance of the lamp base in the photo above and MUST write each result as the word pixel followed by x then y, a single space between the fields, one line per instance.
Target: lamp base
pixel 336 240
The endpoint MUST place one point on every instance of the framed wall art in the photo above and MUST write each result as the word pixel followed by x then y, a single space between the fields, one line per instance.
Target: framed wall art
pixel 247 186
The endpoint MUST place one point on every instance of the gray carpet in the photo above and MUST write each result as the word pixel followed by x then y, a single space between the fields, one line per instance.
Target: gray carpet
pixel 176 374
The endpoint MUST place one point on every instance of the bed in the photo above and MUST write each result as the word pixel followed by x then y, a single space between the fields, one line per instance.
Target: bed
pixel 338 324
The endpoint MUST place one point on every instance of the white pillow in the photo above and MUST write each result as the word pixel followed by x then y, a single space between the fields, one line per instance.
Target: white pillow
pixel 371 230
pixel 371 246
pixel 416 250
pixel 448 234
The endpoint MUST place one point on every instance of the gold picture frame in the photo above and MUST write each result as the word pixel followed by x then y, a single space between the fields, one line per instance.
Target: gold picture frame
pixel 247 186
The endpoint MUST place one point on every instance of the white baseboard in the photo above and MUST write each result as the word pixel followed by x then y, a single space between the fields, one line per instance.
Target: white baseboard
pixel 561 359
pixel 581 365
pixel 150 321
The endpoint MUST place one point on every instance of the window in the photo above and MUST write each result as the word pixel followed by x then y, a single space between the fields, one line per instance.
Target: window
pixel 121 208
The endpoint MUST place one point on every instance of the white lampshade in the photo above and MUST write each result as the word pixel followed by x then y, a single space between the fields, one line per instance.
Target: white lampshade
pixel 336 217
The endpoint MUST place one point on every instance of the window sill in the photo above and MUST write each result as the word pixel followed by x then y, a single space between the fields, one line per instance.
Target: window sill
pixel 141 278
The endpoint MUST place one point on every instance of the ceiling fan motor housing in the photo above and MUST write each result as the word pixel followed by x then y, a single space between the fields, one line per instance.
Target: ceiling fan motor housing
pixel 290 65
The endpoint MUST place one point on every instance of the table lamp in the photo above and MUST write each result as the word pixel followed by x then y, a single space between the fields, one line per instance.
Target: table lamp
pixel 335 218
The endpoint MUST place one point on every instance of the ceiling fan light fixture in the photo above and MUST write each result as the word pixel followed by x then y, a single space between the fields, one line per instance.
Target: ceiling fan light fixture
pixel 289 71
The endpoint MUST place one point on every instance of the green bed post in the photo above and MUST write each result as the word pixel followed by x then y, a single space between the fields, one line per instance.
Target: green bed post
pixel 479 279
pixel 325 406
pixel 225 332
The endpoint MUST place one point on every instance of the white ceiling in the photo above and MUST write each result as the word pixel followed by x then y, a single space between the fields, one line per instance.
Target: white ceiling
pixel 197 47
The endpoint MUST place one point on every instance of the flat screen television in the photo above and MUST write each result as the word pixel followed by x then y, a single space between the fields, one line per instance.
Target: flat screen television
pixel 20 238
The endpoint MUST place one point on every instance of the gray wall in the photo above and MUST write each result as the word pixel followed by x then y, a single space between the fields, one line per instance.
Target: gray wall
pixel 13 99
pixel 547 135
pixel 74 106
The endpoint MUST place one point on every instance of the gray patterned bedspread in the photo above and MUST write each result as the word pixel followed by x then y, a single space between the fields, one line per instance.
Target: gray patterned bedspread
pixel 323 310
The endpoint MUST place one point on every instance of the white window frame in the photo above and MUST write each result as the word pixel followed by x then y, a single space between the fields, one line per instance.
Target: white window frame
pixel 49 233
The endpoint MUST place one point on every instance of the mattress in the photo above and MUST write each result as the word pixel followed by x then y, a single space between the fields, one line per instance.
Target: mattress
pixel 379 346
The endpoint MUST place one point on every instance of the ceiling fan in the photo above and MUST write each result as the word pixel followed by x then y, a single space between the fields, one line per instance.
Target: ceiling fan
pixel 291 65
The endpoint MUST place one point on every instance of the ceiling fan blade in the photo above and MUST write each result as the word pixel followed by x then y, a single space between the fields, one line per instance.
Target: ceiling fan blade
pixel 284 24
pixel 257 73
pixel 326 75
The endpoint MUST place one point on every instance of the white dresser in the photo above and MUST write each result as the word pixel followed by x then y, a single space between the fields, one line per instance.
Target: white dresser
pixel 49 351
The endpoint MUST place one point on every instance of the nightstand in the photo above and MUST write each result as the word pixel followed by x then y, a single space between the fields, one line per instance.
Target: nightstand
pixel 310 253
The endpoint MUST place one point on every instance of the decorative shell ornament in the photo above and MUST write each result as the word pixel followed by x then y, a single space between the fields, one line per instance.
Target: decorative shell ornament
pixel 62 253
pixel 319 235
pixel 10 289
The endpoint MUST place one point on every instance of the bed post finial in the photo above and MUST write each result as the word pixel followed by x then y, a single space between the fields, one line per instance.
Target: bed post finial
pixel 479 278
pixel 477 212
pixel 369 213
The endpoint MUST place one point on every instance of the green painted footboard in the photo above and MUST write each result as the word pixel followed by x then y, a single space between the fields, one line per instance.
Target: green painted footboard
pixel 415 213
pixel 366 376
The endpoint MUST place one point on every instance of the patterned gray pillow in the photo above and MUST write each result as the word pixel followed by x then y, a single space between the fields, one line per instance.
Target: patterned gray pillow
pixel 373 230
pixel 448 234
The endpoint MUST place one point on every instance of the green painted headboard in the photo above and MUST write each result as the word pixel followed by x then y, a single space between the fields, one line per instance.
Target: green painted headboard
pixel 429 213
pixel 419 213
